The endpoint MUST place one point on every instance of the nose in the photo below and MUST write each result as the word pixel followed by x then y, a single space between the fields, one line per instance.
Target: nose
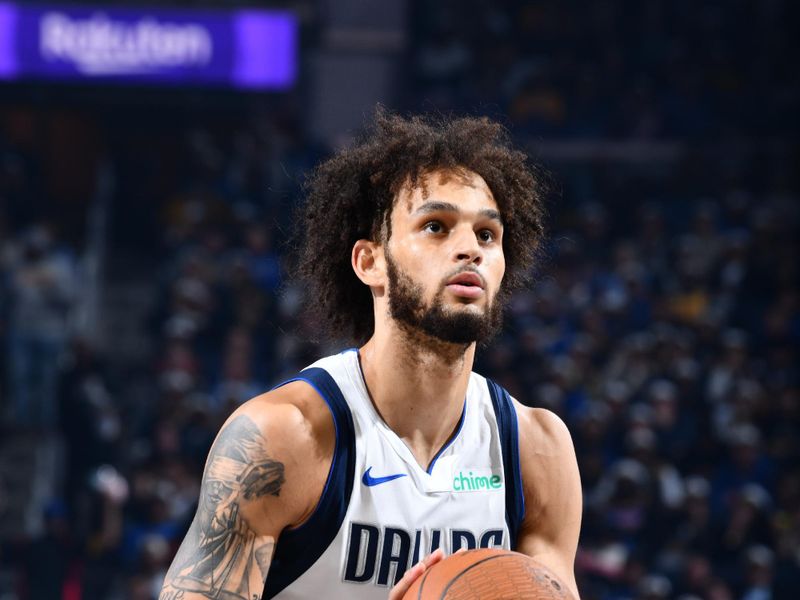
pixel 467 248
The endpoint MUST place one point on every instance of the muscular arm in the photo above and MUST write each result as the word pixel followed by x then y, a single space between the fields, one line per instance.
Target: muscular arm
pixel 226 554
pixel 553 497
pixel 252 489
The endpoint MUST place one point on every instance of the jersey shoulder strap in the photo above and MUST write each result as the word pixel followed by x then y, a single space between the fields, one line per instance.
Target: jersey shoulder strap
pixel 299 548
pixel 508 427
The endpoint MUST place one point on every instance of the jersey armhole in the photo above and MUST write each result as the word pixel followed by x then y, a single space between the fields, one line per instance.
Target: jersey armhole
pixel 298 548
pixel 508 427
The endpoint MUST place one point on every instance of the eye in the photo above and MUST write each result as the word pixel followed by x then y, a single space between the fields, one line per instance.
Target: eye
pixel 433 227
pixel 486 235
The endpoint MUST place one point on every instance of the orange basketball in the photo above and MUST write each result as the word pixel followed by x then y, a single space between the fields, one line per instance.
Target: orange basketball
pixel 488 574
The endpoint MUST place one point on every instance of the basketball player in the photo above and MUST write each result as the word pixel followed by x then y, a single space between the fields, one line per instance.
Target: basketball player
pixel 352 478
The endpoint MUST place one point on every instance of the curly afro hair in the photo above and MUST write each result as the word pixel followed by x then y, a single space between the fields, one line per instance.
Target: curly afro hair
pixel 350 197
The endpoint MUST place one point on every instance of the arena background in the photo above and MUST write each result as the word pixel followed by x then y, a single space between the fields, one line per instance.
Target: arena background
pixel 143 288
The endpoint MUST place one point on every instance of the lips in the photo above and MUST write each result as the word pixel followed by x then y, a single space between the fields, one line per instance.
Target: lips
pixel 466 285
pixel 468 279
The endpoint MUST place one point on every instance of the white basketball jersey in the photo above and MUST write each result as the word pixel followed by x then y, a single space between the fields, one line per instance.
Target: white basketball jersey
pixel 380 511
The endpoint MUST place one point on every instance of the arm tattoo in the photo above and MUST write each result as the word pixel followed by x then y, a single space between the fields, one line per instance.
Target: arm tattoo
pixel 222 557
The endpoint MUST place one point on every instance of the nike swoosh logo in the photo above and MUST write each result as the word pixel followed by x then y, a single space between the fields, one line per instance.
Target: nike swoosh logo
pixel 368 480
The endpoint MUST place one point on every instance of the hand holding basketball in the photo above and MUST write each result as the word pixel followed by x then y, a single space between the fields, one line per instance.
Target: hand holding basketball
pixel 414 573
pixel 487 574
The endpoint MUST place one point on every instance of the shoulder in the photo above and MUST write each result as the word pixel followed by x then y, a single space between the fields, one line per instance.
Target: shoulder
pixel 542 431
pixel 547 457
pixel 292 427
pixel 294 410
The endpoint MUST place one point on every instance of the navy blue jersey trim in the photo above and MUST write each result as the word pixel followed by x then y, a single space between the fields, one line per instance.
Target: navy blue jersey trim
pixel 509 442
pixel 452 439
pixel 299 548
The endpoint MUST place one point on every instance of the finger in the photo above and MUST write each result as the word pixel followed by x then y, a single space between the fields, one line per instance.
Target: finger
pixel 409 577
pixel 434 557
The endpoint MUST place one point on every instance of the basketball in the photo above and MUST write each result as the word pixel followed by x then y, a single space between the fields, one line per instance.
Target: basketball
pixel 488 574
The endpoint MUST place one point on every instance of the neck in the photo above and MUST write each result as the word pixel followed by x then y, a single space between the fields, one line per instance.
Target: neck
pixel 418 385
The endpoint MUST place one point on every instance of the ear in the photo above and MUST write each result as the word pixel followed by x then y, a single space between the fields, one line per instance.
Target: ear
pixel 368 263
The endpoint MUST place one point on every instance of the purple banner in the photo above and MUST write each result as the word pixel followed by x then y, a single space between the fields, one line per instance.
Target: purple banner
pixel 246 49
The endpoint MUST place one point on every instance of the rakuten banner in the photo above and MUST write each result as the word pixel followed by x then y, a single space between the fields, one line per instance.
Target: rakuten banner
pixel 247 48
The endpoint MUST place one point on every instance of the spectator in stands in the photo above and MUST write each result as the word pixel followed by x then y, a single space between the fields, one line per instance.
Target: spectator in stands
pixel 43 287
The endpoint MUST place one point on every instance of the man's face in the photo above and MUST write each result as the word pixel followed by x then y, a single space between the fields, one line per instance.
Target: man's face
pixel 445 258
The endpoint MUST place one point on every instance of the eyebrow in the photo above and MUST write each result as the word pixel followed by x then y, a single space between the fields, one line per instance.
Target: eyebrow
pixel 437 206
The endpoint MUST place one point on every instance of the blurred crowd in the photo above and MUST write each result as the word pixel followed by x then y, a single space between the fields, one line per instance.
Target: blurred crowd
pixel 671 352
pixel 663 324
pixel 655 69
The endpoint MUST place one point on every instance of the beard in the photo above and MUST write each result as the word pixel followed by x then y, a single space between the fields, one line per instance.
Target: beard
pixel 407 306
